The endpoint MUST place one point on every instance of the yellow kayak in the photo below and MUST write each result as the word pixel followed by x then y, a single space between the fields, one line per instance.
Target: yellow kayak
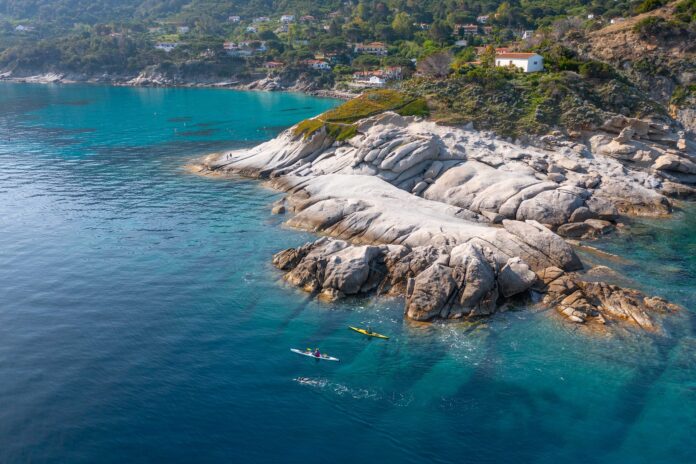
pixel 369 334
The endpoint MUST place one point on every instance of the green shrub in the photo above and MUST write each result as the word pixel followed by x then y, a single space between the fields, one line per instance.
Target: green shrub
pixel 649 5
pixel 597 70
pixel 656 27
pixel 339 121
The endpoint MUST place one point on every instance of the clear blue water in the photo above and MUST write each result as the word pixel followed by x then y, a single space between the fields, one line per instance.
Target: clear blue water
pixel 141 320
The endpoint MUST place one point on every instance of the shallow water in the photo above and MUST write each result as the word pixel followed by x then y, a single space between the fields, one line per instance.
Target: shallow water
pixel 141 321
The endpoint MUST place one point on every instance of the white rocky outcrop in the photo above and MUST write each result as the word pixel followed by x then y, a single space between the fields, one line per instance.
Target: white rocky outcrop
pixel 453 219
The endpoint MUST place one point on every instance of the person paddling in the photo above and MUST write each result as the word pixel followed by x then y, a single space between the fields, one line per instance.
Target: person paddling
pixel 316 353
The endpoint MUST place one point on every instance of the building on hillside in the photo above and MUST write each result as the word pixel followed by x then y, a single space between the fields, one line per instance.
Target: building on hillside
pixel 283 28
pixel 319 65
pixel 378 77
pixel 182 30
pixel 261 19
pixel 482 19
pixel 274 65
pixel 251 30
pixel 590 16
pixel 287 18
pixel 527 62
pixel 233 19
pixel 23 28
pixel 307 19
pixel 461 43
pixel 166 46
pixel 244 49
pixel 372 48
pixel 154 30
pixel 488 30
pixel 422 26
pixel 527 35
pixel 470 29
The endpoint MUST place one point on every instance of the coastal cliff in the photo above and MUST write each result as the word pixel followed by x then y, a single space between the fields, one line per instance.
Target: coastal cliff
pixel 458 221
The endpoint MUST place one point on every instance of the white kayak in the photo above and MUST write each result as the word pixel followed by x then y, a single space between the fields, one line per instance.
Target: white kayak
pixel 323 357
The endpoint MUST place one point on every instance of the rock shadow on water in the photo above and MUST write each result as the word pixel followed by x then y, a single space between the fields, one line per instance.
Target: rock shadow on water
pixel 302 108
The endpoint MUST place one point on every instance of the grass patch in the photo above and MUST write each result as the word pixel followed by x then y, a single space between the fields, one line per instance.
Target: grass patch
pixel 340 121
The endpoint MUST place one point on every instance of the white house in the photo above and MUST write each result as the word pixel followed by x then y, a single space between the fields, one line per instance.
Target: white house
pixel 251 29
pixel 527 62
pixel 234 19
pixel 183 29
pixel 527 35
pixel 22 28
pixel 482 19
pixel 288 18
pixel 317 64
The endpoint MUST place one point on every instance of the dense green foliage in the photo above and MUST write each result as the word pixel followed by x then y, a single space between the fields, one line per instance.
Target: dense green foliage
pixel 517 104
pixel 93 36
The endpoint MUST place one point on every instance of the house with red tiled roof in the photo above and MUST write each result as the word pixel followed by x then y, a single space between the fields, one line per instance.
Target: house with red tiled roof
pixel 372 48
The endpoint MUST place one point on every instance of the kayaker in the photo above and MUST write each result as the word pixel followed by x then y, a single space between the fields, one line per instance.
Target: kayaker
pixel 316 353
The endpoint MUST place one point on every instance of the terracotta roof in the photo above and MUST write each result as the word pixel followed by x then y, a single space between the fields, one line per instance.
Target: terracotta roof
pixel 516 55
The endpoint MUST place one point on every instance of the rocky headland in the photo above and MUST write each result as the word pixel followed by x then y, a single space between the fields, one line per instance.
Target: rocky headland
pixel 459 221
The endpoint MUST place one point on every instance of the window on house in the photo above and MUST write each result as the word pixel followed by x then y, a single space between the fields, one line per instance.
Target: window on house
pixel 535 62
pixel 510 62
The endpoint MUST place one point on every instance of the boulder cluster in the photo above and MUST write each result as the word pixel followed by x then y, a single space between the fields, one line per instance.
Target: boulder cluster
pixel 458 221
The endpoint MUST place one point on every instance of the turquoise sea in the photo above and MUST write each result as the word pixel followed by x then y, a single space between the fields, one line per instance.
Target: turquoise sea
pixel 141 320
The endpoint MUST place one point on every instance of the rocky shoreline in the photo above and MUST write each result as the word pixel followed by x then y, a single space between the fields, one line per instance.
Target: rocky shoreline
pixel 459 222
pixel 149 79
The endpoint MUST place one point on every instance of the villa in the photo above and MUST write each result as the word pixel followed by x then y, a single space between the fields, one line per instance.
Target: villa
pixel 378 77
pixel 372 48
pixel 317 64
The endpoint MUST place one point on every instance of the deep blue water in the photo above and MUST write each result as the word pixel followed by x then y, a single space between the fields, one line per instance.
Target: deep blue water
pixel 141 320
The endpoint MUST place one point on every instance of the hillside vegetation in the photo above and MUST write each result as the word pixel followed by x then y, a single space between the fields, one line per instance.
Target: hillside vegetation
pixel 602 57
pixel 339 122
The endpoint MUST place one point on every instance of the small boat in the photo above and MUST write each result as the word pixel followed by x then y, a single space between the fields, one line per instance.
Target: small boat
pixel 368 333
pixel 322 356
